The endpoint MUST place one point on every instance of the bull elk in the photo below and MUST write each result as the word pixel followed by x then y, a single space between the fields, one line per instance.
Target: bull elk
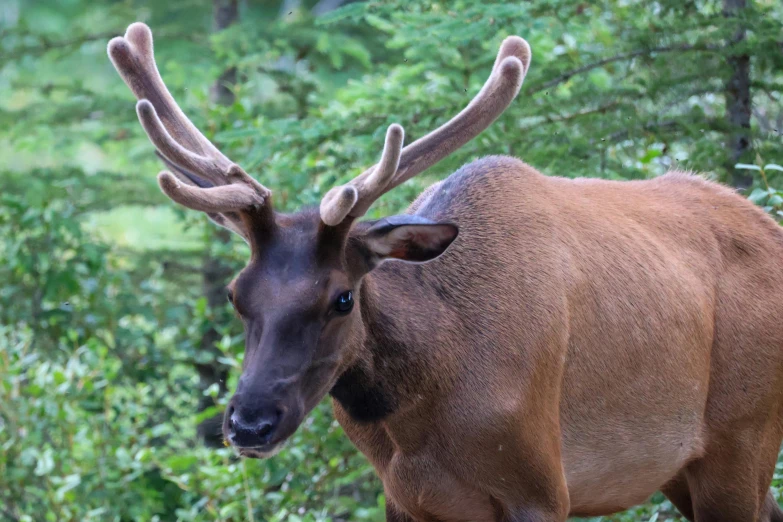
pixel 581 344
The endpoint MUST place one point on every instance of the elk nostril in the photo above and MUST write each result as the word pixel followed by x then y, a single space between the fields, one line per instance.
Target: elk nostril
pixel 265 429
pixel 268 425
pixel 256 432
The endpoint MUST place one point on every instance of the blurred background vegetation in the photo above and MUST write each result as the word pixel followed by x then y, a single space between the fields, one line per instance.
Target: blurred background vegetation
pixel 117 349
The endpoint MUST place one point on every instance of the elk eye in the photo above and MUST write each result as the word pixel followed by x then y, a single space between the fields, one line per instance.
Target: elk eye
pixel 344 302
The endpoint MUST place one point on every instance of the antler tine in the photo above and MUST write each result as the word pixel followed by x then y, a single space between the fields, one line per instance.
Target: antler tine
pixel 494 97
pixel 178 141
pixel 211 200
pixel 133 57
pixel 508 72
pixel 356 196
pixel 513 46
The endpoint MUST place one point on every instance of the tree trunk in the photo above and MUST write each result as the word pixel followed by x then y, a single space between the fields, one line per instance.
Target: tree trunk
pixel 215 273
pixel 738 101
pixel 224 14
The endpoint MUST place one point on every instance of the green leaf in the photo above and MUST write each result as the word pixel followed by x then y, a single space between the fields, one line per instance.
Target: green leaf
pixel 348 12
pixel 207 414
pixel 758 196
pixel 746 166
pixel 650 155
pixel 775 200
pixel 69 482
pixel 45 462
pixel 380 23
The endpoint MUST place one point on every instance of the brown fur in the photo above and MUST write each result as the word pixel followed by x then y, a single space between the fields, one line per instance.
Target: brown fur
pixel 580 345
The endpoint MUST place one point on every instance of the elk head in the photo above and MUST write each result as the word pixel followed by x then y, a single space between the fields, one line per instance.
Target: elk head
pixel 299 296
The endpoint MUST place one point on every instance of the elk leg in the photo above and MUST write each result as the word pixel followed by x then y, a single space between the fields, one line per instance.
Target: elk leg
pixel 540 491
pixel 771 511
pixel 677 491
pixel 730 483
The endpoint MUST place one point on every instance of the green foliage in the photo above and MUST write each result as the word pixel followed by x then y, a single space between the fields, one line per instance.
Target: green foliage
pixel 770 198
pixel 85 439
pixel 102 307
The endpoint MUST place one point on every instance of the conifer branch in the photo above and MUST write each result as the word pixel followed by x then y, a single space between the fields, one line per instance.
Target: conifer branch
pixel 619 58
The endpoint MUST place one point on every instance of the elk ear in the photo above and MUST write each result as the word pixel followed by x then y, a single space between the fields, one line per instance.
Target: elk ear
pixel 408 238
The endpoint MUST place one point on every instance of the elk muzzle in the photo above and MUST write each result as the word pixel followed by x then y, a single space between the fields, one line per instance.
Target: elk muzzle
pixel 253 427
pixel 257 424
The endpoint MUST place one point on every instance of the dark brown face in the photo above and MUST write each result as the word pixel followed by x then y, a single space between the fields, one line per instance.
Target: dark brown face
pixel 299 300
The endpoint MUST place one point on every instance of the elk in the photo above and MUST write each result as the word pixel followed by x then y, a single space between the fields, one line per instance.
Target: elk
pixel 514 347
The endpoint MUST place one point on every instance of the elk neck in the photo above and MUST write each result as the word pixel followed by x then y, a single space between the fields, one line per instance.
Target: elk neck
pixel 403 363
